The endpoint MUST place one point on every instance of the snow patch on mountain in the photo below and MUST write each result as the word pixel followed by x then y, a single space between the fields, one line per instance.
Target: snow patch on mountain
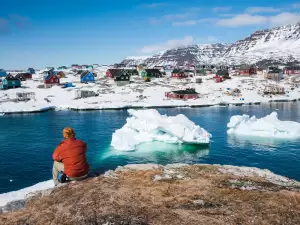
pixel 277 44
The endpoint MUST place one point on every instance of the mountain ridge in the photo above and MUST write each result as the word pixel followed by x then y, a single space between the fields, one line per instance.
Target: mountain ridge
pixel 279 44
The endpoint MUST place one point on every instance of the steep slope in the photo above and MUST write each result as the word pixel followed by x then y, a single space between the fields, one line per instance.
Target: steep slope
pixel 281 44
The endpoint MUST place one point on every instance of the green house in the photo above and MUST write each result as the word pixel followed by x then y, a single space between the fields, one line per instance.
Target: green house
pixel 10 82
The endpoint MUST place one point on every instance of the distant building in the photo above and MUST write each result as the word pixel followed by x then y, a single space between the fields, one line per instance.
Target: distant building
pixel 179 74
pixel 61 74
pixel 182 94
pixel 62 68
pixel 151 73
pixel 25 96
pixel 3 73
pixel 247 70
pixel 85 94
pixel 24 76
pixel 223 73
pixel 276 90
pixel 31 71
pixel 122 77
pixel 112 72
pixel 51 80
pixel 10 82
pixel 87 77
pixel 274 73
pixel 292 70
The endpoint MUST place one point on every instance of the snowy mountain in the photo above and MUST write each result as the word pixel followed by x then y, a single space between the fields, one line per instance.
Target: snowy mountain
pixel 281 44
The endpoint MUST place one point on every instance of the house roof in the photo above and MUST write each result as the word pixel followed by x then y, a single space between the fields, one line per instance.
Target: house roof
pixel 177 71
pixel 222 72
pixel 293 68
pixel 275 70
pixel 189 91
pixel 22 74
pixel 120 72
pixel 153 71
pixel 84 73
pixel 113 71
pixel 245 67
pixel 11 77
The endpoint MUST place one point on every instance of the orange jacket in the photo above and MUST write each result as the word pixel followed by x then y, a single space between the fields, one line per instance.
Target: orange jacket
pixel 71 153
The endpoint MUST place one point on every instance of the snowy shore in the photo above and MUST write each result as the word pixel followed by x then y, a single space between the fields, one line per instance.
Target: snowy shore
pixel 140 94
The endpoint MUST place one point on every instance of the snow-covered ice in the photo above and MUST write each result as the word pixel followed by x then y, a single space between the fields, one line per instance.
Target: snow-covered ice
pixel 269 126
pixel 149 125
pixel 22 193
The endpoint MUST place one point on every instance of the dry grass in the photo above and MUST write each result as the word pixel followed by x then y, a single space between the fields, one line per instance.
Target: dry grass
pixel 134 198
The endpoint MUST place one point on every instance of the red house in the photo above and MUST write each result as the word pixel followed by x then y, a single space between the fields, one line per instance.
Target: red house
pixel 182 94
pixel 179 74
pixel 111 73
pixel 51 80
pixel 292 70
pixel 27 76
pixel 247 70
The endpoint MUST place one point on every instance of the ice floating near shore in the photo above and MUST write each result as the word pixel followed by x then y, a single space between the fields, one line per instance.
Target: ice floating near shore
pixel 149 125
pixel 269 126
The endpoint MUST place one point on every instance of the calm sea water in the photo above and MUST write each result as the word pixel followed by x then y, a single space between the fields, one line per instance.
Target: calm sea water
pixel 27 143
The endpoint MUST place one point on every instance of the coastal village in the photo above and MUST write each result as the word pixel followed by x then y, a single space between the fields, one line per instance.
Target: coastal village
pixel 91 87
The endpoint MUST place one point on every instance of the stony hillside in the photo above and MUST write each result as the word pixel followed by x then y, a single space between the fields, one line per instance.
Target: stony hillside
pixel 281 44
pixel 174 194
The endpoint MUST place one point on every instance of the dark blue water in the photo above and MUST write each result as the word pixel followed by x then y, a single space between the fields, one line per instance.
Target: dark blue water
pixel 27 143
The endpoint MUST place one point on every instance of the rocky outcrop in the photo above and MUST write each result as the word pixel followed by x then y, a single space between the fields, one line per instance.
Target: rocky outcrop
pixel 281 44
pixel 172 194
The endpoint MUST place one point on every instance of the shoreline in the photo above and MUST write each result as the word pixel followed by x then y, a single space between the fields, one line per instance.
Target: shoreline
pixel 150 107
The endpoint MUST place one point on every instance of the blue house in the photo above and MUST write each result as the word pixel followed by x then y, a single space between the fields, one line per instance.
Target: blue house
pixel 10 82
pixel 87 77
pixel 31 71
pixel 3 73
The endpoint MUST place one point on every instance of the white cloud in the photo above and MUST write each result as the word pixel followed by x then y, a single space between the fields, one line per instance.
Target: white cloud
pixel 153 21
pixel 188 40
pixel 177 16
pixel 221 9
pixel 154 5
pixel 296 6
pixel 284 19
pixel 185 23
pixel 249 20
pixel 242 20
pixel 193 22
pixel 253 10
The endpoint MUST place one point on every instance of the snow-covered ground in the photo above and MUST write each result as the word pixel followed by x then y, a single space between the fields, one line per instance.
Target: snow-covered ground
pixel 149 125
pixel 25 192
pixel 269 126
pixel 140 93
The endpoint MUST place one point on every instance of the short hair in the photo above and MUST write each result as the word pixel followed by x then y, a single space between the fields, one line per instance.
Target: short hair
pixel 69 132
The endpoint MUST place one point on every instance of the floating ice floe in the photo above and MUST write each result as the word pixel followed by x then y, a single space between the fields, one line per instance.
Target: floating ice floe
pixel 149 125
pixel 269 126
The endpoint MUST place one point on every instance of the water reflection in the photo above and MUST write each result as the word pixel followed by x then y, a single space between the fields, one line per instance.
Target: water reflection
pixel 159 152
pixel 255 143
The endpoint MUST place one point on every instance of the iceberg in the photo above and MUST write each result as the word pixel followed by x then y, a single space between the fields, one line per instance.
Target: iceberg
pixel 269 126
pixel 149 125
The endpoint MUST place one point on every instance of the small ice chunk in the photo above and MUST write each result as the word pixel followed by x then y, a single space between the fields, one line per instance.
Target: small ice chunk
pixel 149 125
pixel 269 126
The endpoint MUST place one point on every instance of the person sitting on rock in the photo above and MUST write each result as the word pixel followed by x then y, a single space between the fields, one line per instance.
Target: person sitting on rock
pixel 70 159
